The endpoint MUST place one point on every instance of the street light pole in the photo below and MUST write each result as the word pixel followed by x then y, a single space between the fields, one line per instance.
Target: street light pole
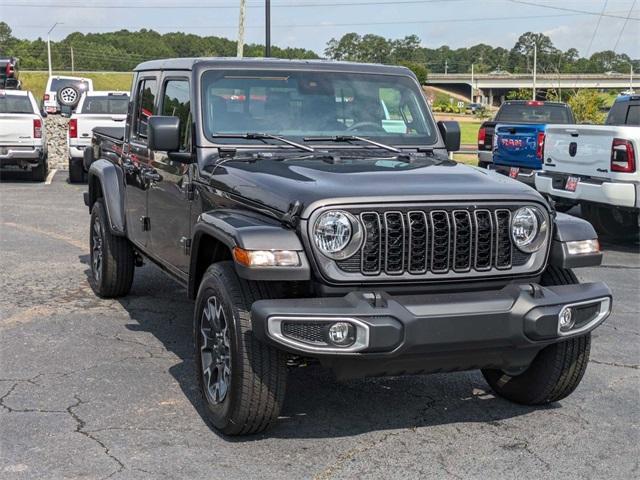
pixel 49 45
pixel 240 46
pixel 535 68
pixel 472 84
pixel 267 29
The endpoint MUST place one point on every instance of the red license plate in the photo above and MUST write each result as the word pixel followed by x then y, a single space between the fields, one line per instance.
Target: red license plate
pixel 514 171
pixel 571 184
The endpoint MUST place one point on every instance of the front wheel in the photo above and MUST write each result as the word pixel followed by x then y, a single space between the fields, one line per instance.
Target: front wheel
pixel 612 222
pixel 112 257
pixel 557 369
pixel 242 380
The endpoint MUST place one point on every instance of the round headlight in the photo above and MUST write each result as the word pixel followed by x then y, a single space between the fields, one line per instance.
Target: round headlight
pixel 528 229
pixel 337 234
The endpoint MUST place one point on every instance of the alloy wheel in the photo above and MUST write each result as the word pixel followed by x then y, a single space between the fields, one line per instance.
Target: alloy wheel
pixel 215 351
pixel 96 251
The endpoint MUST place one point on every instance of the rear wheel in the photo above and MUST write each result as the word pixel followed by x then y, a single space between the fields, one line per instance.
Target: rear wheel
pixel 557 369
pixel 482 164
pixel 112 257
pixel 242 380
pixel 76 171
pixel 612 222
pixel 39 173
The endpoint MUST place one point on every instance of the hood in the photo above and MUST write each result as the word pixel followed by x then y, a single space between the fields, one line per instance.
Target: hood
pixel 278 184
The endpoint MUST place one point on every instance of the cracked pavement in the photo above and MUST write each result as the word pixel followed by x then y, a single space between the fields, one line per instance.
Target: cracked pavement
pixel 97 389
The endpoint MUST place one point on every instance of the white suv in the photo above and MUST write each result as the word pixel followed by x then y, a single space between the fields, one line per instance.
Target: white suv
pixel 64 91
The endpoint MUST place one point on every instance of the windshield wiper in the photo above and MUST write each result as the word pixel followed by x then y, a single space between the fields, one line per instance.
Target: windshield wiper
pixel 351 138
pixel 263 136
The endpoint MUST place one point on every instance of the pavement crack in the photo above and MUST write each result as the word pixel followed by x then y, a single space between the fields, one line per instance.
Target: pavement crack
pixel 616 364
pixel 80 424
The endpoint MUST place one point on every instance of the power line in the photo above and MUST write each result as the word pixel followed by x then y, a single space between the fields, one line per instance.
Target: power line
pixel 318 25
pixel 595 30
pixel 574 10
pixel 624 25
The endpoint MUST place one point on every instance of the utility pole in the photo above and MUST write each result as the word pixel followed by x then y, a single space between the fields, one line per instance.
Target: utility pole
pixel 49 45
pixel 267 28
pixel 446 66
pixel 631 79
pixel 472 83
pixel 73 66
pixel 535 68
pixel 240 51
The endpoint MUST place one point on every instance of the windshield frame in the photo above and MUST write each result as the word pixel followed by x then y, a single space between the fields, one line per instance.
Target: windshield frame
pixel 207 140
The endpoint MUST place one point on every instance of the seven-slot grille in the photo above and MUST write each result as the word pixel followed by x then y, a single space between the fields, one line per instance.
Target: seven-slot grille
pixel 435 241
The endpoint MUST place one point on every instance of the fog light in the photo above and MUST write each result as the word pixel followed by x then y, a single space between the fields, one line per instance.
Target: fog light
pixel 342 334
pixel 566 319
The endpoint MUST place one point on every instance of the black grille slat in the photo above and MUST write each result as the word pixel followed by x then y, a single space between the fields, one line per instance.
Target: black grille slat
pixel 503 239
pixel 435 241
pixel 484 244
pixel 372 247
pixel 462 241
pixel 418 242
pixel 394 231
pixel 440 241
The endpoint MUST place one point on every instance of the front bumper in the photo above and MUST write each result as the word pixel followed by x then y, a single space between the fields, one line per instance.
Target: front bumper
pixel 609 192
pixel 20 158
pixel 430 328
pixel 525 175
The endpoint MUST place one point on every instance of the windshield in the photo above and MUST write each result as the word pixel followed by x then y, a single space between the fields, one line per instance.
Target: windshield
pixel 523 113
pixel 315 104
pixel 114 105
pixel 15 104
pixel 58 83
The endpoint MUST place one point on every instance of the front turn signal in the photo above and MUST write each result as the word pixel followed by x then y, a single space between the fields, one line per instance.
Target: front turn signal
pixel 266 258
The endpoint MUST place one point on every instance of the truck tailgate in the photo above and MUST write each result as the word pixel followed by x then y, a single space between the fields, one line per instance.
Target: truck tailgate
pixel 86 123
pixel 585 150
pixel 516 145
pixel 16 129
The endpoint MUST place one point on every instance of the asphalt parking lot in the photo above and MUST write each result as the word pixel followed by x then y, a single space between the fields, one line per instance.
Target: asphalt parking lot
pixel 96 389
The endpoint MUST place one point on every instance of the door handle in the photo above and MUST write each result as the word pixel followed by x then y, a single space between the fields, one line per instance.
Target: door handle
pixel 152 176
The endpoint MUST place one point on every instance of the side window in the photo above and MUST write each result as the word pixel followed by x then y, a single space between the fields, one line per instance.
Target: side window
pixel 633 117
pixel 617 114
pixel 177 103
pixel 145 101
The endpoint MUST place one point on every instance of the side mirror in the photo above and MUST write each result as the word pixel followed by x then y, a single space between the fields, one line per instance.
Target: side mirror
pixel 450 132
pixel 43 114
pixel 163 133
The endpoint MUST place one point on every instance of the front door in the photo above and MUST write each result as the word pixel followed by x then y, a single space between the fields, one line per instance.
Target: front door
pixel 135 161
pixel 169 192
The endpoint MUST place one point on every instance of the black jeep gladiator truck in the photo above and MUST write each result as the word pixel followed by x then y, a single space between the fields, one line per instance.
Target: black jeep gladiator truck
pixel 311 211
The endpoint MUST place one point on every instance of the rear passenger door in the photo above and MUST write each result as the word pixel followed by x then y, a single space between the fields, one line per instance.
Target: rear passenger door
pixel 137 156
pixel 170 190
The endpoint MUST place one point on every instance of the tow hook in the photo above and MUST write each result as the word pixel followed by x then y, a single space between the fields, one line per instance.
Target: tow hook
pixel 535 290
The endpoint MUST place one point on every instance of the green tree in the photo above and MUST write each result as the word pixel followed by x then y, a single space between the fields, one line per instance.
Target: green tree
pixel 420 71
pixel 587 106
pixel 520 94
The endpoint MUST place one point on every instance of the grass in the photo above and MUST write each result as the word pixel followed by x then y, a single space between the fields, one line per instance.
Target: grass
pixel 467 158
pixel 469 132
pixel 37 81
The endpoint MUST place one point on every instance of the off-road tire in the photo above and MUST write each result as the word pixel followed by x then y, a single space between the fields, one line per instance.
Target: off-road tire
pixel 557 369
pixel 611 222
pixel 117 260
pixel 258 371
pixel 76 172
pixel 39 173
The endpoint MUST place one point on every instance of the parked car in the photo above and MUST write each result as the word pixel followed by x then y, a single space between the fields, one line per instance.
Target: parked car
pixel 518 141
pixel 95 109
pixel 596 166
pixel 9 74
pixel 526 120
pixel 308 233
pixel 23 138
pixel 64 92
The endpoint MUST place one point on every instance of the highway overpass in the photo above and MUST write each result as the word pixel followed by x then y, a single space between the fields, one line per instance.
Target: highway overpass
pixel 488 88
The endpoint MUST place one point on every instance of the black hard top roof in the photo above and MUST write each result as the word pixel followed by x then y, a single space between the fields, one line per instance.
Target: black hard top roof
pixel 270 63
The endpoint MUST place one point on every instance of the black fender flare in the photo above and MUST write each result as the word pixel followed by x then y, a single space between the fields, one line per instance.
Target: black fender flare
pixel 571 229
pixel 106 180
pixel 237 228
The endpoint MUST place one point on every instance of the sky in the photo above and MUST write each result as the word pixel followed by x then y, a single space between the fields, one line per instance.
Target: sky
pixel 311 23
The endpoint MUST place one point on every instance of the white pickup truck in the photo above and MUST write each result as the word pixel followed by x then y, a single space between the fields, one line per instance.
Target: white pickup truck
pixel 23 139
pixel 95 109
pixel 596 166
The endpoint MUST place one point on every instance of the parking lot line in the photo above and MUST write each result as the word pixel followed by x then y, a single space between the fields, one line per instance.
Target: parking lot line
pixel 50 176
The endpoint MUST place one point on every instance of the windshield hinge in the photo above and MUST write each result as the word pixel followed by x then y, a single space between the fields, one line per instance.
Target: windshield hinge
pixel 291 216
pixel 189 190
pixel 186 245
